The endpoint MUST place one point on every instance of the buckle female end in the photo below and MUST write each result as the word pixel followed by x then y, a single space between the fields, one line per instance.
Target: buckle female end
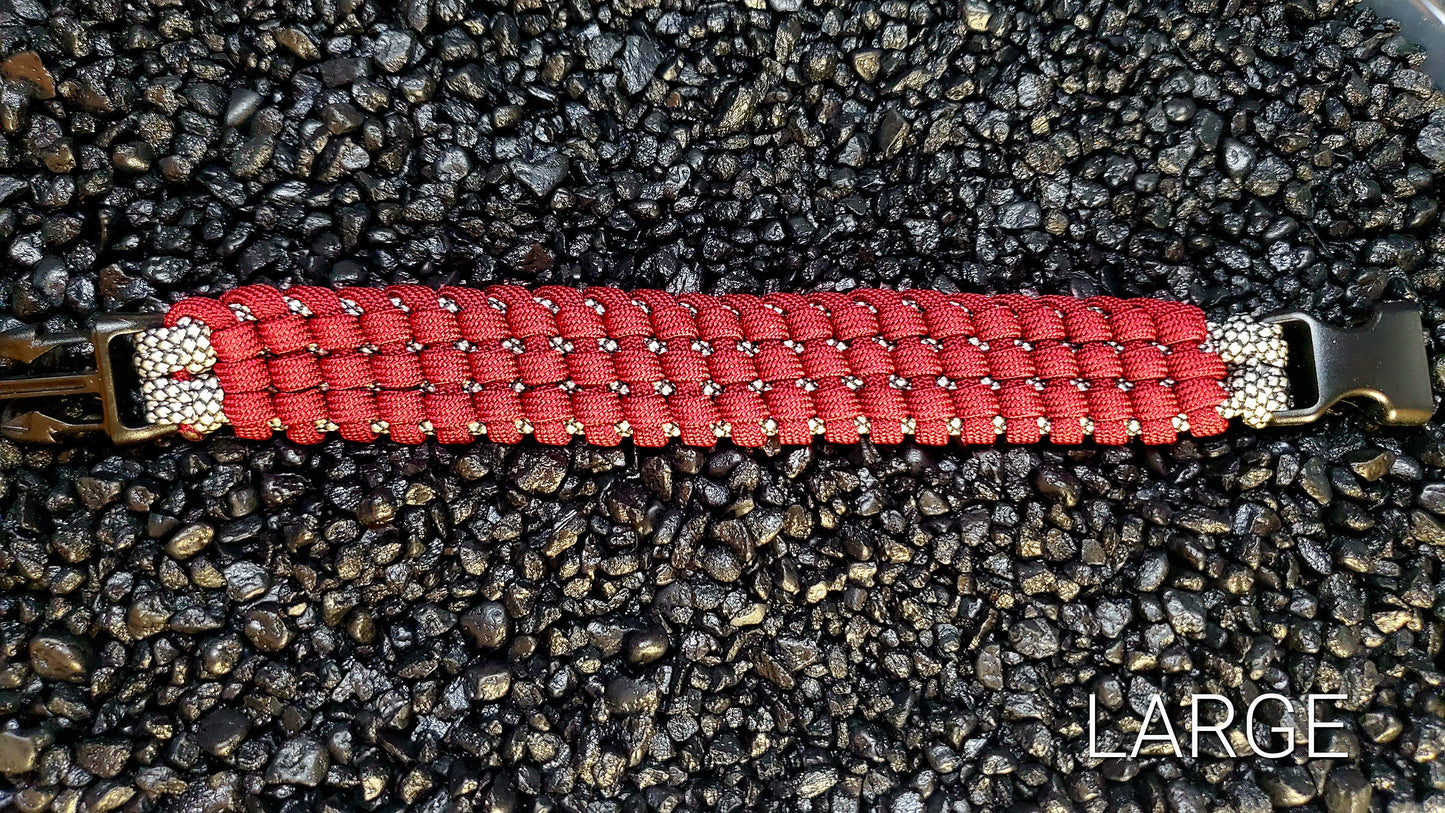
pixel 26 344
pixel 1383 361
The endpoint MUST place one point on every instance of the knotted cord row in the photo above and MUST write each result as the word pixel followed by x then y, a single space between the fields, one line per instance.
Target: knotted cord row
pixel 607 364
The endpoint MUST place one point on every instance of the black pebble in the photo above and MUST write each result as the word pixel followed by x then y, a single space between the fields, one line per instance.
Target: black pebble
pixel 220 732
pixel 488 625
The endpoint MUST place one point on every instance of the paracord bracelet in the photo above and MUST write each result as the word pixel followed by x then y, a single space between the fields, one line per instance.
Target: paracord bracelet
pixel 605 364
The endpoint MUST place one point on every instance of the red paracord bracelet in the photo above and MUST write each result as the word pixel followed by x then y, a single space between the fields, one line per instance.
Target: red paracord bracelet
pixel 607 364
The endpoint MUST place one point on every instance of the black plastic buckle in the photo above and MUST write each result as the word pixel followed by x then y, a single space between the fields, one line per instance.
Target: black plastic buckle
pixel 1383 360
pixel 25 345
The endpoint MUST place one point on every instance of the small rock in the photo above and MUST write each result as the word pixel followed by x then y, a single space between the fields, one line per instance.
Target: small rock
pixel 645 646
pixel 190 540
pixel 488 625
pixel 542 173
pixel 103 756
pixel 539 471
pixel 1347 791
pixel 1034 638
pixel 721 565
pixel 942 758
pixel 101 797
pixel 60 656
pixel 246 581
pixel 1431 140
pixel 628 696
pixel 97 492
pixel 1238 159
pixel 1432 498
pixel 1185 611
pixel 1371 463
pixel 489 682
pixel 815 782
pixel 19 750
pixel 1058 483
pixel 378 509
pixel 977 14
pixel 243 104
pixel 988 667
pixel 391 50
pixel 893 133
pixel 1020 215
pixel 866 63
pixel 252 156
pixel 26 67
pixel 299 761
pixel 298 42
pixel 737 106
pixel 1290 786
pixel 341 118
pixel 1381 726
pixel 220 732
pixel 640 59
pixel 134 157
pixel 267 629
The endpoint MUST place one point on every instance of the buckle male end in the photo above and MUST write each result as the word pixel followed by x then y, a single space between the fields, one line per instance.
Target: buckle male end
pixel 25 345
pixel 1383 361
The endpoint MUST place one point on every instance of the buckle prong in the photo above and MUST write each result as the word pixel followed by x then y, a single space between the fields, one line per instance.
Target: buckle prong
pixel 1384 361
pixel 26 345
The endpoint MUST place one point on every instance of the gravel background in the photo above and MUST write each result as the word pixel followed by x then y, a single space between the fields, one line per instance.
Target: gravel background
pixel 260 626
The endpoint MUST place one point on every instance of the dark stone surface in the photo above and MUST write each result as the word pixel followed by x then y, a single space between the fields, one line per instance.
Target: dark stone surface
pixel 258 626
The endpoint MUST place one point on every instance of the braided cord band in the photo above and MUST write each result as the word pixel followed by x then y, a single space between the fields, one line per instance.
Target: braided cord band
pixel 607 364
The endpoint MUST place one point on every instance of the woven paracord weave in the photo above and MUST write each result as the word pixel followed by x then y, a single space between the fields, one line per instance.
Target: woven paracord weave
pixel 604 363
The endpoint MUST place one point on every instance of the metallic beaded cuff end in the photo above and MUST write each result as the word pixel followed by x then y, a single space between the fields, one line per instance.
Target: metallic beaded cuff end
pixel 1255 354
